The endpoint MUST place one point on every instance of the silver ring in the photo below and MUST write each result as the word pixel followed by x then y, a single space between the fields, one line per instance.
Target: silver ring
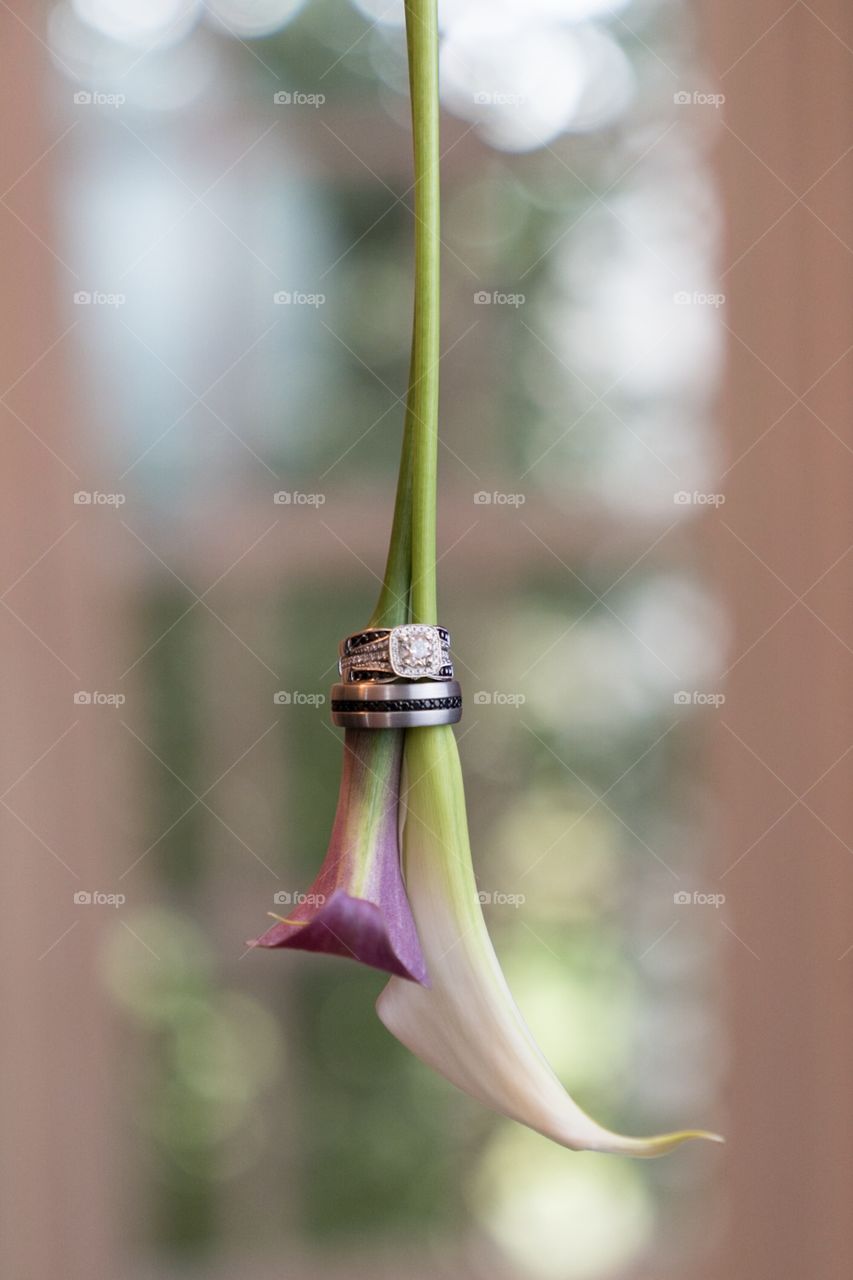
pixel 369 705
pixel 414 651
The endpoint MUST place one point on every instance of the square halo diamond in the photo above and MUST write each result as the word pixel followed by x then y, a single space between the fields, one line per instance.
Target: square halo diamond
pixel 415 650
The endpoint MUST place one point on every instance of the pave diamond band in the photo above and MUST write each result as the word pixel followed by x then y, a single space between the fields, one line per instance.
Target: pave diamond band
pixel 414 651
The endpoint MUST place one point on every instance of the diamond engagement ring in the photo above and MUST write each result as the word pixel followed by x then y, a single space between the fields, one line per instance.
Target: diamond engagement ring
pixel 414 651
pixel 396 678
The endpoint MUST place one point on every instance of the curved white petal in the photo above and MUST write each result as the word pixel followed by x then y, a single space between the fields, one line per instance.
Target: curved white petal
pixel 466 1025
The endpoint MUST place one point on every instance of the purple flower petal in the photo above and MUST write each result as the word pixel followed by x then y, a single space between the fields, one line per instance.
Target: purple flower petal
pixel 347 926
pixel 357 905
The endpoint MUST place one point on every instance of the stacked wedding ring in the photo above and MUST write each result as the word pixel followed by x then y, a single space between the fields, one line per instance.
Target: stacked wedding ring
pixel 396 678
pixel 365 705
pixel 411 652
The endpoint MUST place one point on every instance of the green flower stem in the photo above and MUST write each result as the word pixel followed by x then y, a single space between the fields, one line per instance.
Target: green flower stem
pixel 392 607
pixel 409 586
pixel 422 38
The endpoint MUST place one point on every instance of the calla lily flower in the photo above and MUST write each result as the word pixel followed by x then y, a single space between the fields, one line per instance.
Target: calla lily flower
pixel 357 905
pixel 447 999
pixel 466 1025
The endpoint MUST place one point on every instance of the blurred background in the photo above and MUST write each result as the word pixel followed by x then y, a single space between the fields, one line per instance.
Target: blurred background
pixel 645 519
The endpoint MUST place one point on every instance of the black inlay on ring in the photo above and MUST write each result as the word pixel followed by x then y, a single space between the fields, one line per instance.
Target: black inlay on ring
pixel 364 637
pixel 398 704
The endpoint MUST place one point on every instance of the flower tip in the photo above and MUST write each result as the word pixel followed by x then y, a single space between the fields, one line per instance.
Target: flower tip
pixel 707 1135
pixel 264 939
pixel 663 1143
